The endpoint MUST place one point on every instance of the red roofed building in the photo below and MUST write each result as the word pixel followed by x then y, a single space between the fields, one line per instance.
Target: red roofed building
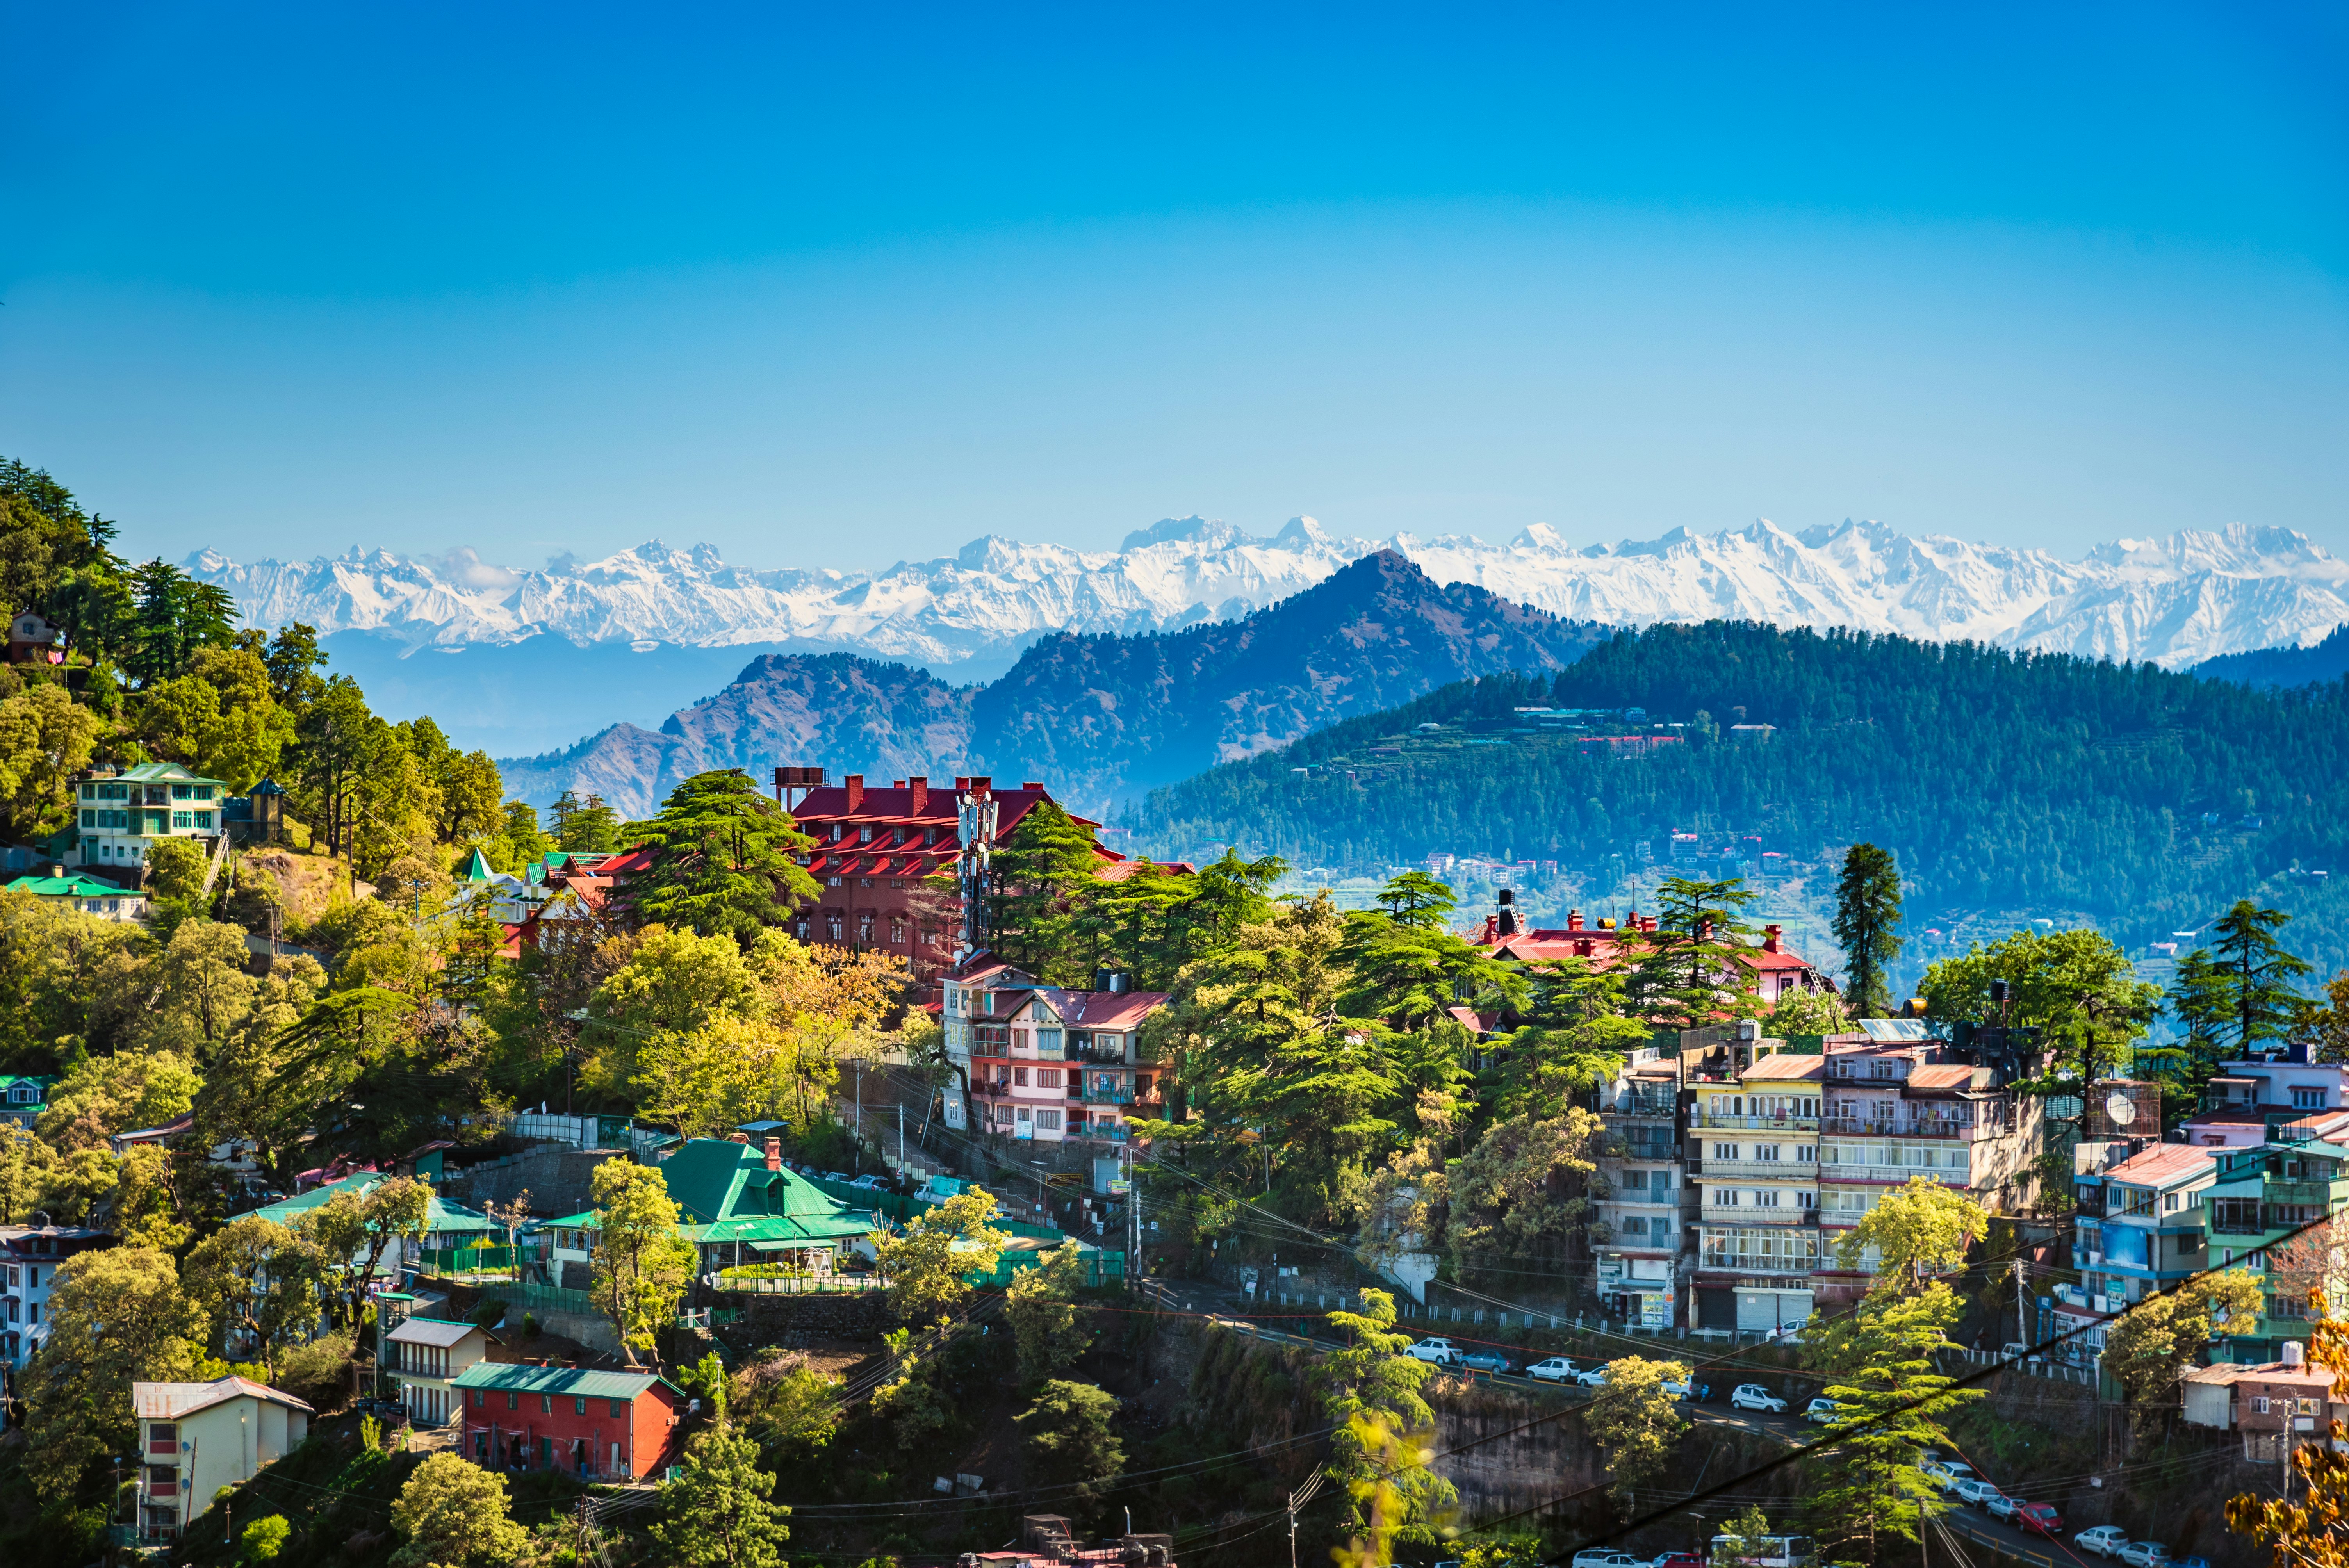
pixel 1777 969
pixel 1047 1064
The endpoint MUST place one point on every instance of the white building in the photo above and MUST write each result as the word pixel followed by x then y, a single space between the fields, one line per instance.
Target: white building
pixel 32 1254
pixel 197 1437
pixel 124 815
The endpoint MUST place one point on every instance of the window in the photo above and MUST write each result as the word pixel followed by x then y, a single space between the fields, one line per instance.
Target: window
pixel 1767 1151
pixel 1048 1120
pixel 2307 1098
pixel 898 929
pixel 183 819
pixel 1804 1154
pixel 479 1398
pixel 513 1402
pixel 1048 1077
pixel 1725 1197
pixel 864 929
pixel 1637 1226
pixel 579 1405
pixel 1019 1077
pixel 1805 1200
pixel 2169 1203
pixel 1724 1151
pixel 1021 1113
pixel 1767 1198
pixel 800 928
pixel 2260 1406
pixel 832 920
pixel 164 1438
pixel 619 1409
pixel 546 1404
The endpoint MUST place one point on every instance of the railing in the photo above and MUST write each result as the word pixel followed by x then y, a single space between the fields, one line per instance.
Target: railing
pixel 1109 1096
pixel 1759 1123
pixel 1642 1105
pixel 1100 1131
pixel 1866 1127
pixel 2277 1189
pixel 795 1285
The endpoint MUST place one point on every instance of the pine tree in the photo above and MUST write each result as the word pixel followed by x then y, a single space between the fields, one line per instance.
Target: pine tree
pixel 1043 877
pixel 2259 973
pixel 722 859
pixel 1691 973
pixel 1890 1402
pixel 1867 919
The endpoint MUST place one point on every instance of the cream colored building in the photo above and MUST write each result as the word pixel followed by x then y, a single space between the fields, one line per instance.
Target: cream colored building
pixel 1753 1142
pixel 424 1353
pixel 197 1437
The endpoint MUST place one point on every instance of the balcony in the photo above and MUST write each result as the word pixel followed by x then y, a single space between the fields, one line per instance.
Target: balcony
pixel 1801 1170
pixel 2312 1194
pixel 1757 1123
pixel 1104 1096
pixel 1650 1107
pixel 1920 1126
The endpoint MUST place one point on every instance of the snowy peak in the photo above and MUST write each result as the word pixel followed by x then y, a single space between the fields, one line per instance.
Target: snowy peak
pixel 2174 601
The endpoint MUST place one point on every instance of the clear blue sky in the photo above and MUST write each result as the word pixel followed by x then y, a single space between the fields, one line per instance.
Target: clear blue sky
pixel 848 284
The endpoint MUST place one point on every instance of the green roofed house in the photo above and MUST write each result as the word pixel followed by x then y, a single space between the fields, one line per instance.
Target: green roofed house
pixel 597 1426
pixel 104 900
pixel 123 815
pixel 445 1225
pixel 737 1205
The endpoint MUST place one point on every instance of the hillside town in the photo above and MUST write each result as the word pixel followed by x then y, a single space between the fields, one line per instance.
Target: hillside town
pixel 831 1081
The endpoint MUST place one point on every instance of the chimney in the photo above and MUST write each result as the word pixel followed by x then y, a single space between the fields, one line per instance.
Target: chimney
pixel 1770 934
pixel 774 1153
pixel 1648 922
pixel 921 788
pixel 1032 784
pixel 961 782
pixel 856 782
pixel 897 783
pixel 1574 920
pixel 1491 928
pixel 980 784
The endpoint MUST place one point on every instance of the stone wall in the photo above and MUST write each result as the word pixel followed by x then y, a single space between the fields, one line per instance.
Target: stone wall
pixel 556 1176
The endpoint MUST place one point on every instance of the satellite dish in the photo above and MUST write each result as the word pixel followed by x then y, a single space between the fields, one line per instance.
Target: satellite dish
pixel 2120 1109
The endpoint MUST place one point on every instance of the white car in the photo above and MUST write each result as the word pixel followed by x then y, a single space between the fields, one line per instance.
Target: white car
pixel 1973 1489
pixel 2146 1555
pixel 2103 1540
pixel 1557 1370
pixel 1442 1352
pixel 1945 1476
pixel 1607 1557
pixel 1753 1397
pixel 1819 1410
pixel 1592 1376
pixel 2001 1506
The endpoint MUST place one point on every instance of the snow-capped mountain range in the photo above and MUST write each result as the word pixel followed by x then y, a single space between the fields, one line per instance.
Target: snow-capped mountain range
pixel 2174 601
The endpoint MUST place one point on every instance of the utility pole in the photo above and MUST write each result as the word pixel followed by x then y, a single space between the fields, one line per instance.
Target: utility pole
pixel 2022 1327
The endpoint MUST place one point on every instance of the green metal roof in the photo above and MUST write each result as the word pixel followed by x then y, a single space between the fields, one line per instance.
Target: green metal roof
pixel 71 886
pixel 162 773
pixel 439 1217
pixel 477 869
pixel 724 1193
pixel 578 1381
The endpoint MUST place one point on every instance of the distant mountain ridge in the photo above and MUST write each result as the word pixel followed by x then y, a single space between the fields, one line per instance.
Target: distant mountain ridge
pixel 1097 717
pixel 2175 601
pixel 2285 666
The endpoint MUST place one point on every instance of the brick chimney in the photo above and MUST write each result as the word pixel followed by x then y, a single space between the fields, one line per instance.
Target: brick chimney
pixel 982 784
pixel 774 1153
pixel 1032 784
pixel 1491 928
pixel 1574 920
pixel 856 782
pixel 921 788
pixel 1770 934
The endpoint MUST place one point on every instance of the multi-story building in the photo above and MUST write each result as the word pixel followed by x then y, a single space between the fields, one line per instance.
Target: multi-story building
pixel 1754 1144
pixel 1646 1205
pixel 424 1354
pixel 2261 1203
pixel 1893 1114
pixel 29 1257
pixel 2278 1085
pixel 1045 1063
pixel 597 1426
pixel 2140 1226
pixel 124 815
pixel 195 1439
pixel 1774 969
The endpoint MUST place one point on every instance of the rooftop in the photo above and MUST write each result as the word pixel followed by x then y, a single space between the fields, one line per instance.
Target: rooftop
pixel 2313 1378
pixel 432 1331
pixel 2163 1165
pixel 1785 1067
pixel 171 1401
pixel 580 1382
pixel 70 886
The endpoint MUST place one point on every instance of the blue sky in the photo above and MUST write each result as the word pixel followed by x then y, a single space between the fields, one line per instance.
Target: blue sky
pixel 840 287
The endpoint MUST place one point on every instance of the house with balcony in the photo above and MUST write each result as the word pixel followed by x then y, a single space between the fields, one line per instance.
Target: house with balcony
pixel 29 1259
pixel 123 816
pixel 24 1096
pixel 2261 1204
pixel 1753 1149
pixel 425 1355
pixel 197 1437
pixel 1893 1113
pixel 2148 1232
pixel 1646 1196
pixel 1049 1064
pixel 2278 1085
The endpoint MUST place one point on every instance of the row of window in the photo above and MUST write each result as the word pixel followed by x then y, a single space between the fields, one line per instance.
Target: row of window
pixel 1804 1153
pixel 1893 1154
pixel 151 795
pixel 835 927
pixel 546 1403
pixel 1762 1198
pixel 146 822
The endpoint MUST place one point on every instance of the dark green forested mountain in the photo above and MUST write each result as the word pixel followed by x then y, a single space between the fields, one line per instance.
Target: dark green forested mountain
pixel 2143 800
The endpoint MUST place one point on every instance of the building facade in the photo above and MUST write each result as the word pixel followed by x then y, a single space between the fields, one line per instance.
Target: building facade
pixel 1753 1149
pixel 597 1426
pixel 123 816
pixel 1648 1200
pixel 426 1356
pixel 197 1437
pixel 84 895
pixel 1047 1064
pixel 29 1258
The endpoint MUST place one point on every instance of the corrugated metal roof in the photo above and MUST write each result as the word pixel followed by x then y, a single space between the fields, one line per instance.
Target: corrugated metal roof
pixel 579 1381
pixel 432 1331
pixel 2162 1164
pixel 1784 1066
pixel 170 1401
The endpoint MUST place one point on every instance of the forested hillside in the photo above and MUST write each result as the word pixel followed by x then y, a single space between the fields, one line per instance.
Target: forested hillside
pixel 2142 799
pixel 2285 666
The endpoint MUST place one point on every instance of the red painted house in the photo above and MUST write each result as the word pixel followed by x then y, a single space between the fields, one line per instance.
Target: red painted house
pixel 601 1426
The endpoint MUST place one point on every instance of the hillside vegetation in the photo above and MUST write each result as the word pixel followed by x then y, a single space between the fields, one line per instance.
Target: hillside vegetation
pixel 2143 800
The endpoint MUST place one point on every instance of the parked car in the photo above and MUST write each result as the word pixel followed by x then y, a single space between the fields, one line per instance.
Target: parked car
pixel 1557 1370
pixel 839 1176
pixel 1605 1557
pixel 1973 1489
pixel 1677 1390
pixel 870 1183
pixel 1442 1352
pixel 1592 1376
pixel 2015 1350
pixel 2038 1518
pixel 1944 1474
pixel 1819 1410
pixel 2146 1555
pixel 2103 1540
pixel 1753 1397
pixel 1677 1559
pixel 1483 1361
pixel 2001 1506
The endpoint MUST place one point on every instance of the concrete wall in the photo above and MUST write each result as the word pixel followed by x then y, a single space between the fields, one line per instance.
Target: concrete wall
pixel 556 1177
